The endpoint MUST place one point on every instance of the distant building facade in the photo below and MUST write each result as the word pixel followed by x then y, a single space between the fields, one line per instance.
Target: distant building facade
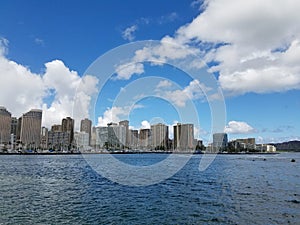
pixel 44 138
pixel 220 141
pixel 86 126
pixel 67 125
pixel 14 126
pixel 5 125
pixel 159 136
pixel 58 140
pixel 145 138
pixel 81 141
pixel 116 136
pixel 125 123
pixel 102 137
pixel 133 139
pixel 56 128
pixel 183 137
pixel 31 128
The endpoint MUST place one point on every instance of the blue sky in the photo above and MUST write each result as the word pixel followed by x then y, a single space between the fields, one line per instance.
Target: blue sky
pixel 253 50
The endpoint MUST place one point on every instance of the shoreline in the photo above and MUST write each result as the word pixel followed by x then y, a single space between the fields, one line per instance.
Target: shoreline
pixel 144 152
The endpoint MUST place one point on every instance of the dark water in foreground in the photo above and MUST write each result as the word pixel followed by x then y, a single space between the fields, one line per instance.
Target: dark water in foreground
pixel 60 189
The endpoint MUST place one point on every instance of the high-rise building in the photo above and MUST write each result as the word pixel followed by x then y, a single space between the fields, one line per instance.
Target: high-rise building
pixel 133 139
pixel 86 126
pixel 184 137
pixel 102 137
pixel 145 138
pixel 19 124
pixel 14 126
pixel 44 138
pixel 59 141
pixel 94 138
pixel 56 128
pixel 125 123
pixel 31 128
pixel 220 141
pixel 116 135
pixel 159 136
pixel 81 140
pixel 5 125
pixel 250 141
pixel 67 125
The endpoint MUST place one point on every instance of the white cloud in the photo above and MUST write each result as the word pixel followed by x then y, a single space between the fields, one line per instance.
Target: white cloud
pixel 116 114
pixel 145 125
pixel 53 91
pixel 238 127
pixel 255 43
pixel 113 114
pixel 179 97
pixel 200 4
pixel 128 33
pixel 168 50
pixel 3 46
pixel 253 32
pixel 125 71
pixel 21 89
pixel 164 84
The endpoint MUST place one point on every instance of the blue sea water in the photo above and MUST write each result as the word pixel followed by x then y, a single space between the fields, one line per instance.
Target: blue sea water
pixel 234 189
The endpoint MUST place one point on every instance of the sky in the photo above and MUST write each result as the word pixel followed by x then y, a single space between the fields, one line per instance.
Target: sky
pixel 52 54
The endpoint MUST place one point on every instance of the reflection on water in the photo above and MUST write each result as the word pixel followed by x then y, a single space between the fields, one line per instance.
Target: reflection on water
pixel 235 189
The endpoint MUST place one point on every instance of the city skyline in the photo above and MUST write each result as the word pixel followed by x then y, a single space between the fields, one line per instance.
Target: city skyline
pixel 29 131
pixel 41 64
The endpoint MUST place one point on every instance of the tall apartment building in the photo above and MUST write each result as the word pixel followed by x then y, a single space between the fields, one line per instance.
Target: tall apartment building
pixel 67 125
pixel 14 126
pixel 102 137
pixel 145 138
pixel 19 124
pixel 31 128
pixel 5 125
pixel 133 139
pixel 56 128
pixel 44 138
pixel 81 140
pixel 220 141
pixel 159 136
pixel 58 140
pixel 183 137
pixel 86 126
pixel 125 123
pixel 116 135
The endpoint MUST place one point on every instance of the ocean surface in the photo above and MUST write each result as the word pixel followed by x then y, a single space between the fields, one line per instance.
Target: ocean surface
pixel 234 189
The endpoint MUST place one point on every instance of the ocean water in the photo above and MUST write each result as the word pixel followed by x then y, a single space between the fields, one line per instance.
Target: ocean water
pixel 234 189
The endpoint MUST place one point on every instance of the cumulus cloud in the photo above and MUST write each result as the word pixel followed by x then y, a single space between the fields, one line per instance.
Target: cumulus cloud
pixel 145 125
pixel 168 50
pixel 238 127
pixel 254 45
pixel 179 97
pixel 125 71
pixel 113 114
pixel 128 33
pixel 21 89
pixel 164 84
pixel 116 114
pixel 55 90
pixel 258 43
